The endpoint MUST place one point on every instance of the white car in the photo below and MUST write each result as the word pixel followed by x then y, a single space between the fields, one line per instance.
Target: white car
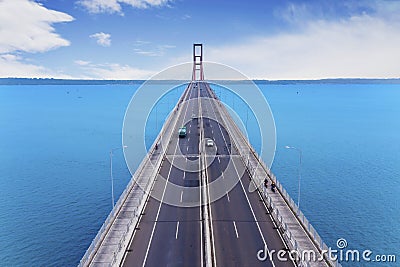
pixel 210 142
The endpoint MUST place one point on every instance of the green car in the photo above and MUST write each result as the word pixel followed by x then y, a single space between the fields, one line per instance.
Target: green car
pixel 182 132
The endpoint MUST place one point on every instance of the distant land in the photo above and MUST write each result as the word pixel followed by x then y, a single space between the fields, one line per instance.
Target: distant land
pixel 40 81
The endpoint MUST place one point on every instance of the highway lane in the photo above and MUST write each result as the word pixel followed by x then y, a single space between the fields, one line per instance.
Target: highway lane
pixel 235 231
pixel 241 226
pixel 168 234
pixel 241 223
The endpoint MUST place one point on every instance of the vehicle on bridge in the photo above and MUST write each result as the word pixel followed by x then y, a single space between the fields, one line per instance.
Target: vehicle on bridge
pixel 182 132
pixel 210 143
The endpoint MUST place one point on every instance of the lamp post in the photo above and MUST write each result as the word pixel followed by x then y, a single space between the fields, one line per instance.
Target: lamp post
pixel 156 118
pixel 298 171
pixel 111 172
pixel 156 108
pixel 247 116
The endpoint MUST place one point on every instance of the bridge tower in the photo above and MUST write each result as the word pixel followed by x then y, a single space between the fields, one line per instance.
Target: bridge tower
pixel 198 73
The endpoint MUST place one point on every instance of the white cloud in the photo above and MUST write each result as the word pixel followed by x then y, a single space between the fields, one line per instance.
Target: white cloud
pixel 32 31
pixel 103 39
pixel 360 46
pixel 82 62
pixel 12 66
pixel 101 6
pixel 163 47
pixel 146 49
pixel 114 6
pixel 146 53
pixel 295 13
pixel 141 43
pixel 112 71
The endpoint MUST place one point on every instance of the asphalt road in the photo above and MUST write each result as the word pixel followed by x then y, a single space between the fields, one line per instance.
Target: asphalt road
pixel 168 235
pixel 241 223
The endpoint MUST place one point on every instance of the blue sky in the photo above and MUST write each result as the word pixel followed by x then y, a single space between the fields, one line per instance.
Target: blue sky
pixel 133 39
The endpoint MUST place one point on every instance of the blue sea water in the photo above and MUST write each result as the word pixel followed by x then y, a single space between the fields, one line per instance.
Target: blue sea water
pixel 350 140
pixel 55 172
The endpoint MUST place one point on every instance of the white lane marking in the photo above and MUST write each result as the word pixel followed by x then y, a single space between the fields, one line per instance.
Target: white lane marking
pixel 227 195
pixel 252 211
pixel 207 187
pixel 201 230
pixel 181 195
pixel 162 198
pixel 189 131
pixel 212 131
pixel 247 198
pixel 187 148
pixel 200 214
pixel 219 161
pixel 188 139
pixel 236 231
pixel 184 174
pixel 177 230
pixel 158 212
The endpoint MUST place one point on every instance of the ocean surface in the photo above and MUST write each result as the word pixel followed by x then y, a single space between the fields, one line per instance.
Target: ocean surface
pixel 55 140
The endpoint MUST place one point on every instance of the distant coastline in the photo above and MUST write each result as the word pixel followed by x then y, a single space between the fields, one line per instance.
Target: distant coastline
pixel 49 81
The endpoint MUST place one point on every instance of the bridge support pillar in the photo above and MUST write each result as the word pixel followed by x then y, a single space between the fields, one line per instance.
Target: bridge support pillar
pixel 198 73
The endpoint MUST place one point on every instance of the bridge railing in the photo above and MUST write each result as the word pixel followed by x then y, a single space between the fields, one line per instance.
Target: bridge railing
pixel 249 155
pixel 166 132
pixel 112 215
pixel 313 234
pixel 101 234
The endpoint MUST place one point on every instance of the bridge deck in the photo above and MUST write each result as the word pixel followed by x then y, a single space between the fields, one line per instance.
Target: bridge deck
pixel 150 232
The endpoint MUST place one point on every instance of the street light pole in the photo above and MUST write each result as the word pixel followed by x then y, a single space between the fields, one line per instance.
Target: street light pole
pixel 298 170
pixel 156 118
pixel 247 117
pixel 111 172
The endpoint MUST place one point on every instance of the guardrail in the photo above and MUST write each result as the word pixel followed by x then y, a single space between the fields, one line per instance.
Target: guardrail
pixel 143 195
pixel 282 224
pixel 167 130
pixel 247 152
pixel 205 205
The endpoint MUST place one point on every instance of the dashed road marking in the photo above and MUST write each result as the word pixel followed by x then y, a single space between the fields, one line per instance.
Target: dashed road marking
pixel 236 231
pixel 177 230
